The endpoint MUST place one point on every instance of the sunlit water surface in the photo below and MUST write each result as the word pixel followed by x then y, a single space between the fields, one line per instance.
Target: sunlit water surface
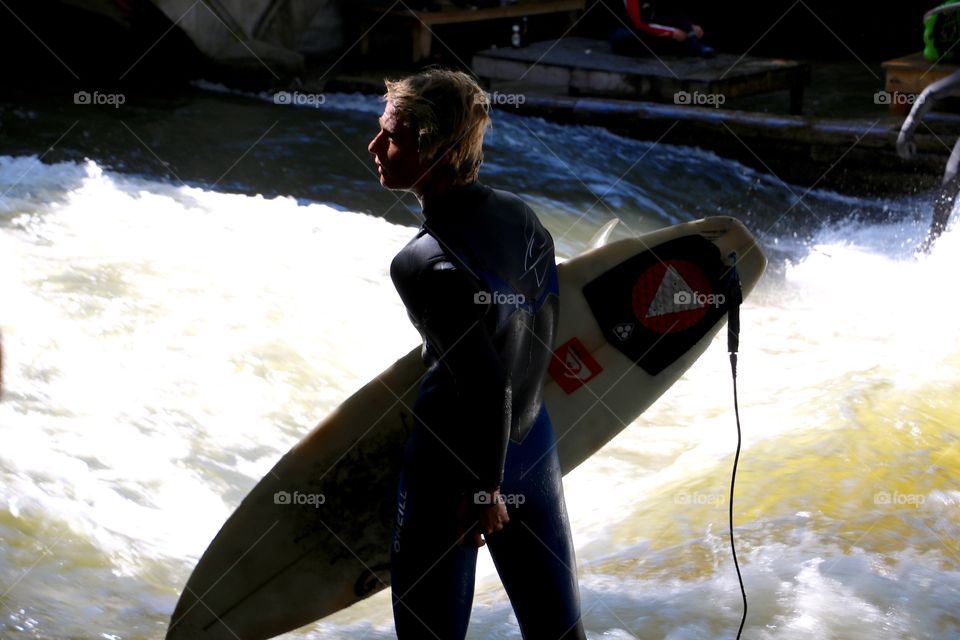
pixel 167 340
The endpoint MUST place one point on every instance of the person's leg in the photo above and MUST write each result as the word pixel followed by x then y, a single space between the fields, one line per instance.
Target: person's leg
pixel 692 46
pixel 625 42
pixel 944 201
pixel 432 576
pixel 675 20
pixel 534 553
pixel 695 47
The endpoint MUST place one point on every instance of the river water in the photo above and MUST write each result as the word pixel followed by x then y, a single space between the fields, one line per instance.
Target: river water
pixel 188 283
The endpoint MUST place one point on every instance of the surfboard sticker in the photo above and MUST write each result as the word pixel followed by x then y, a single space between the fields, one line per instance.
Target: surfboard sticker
pixel 572 366
pixel 658 304
pixel 672 295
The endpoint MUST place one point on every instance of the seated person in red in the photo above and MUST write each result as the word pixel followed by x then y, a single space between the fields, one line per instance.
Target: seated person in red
pixel 651 33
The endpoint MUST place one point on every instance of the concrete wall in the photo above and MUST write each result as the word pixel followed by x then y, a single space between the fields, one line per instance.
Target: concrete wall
pixel 325 33
pixel 247 33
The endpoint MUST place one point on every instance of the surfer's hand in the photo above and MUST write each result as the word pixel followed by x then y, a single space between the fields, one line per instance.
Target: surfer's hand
pixel 906 147
pixel 480 514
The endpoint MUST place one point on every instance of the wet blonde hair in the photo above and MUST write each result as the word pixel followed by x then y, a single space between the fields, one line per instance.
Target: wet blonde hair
pixel 449 112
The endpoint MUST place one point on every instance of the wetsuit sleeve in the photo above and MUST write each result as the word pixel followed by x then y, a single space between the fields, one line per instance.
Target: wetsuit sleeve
pixel 928 97
pixel 454 319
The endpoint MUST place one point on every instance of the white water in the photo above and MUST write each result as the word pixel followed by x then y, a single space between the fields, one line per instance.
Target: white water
pixel 165 345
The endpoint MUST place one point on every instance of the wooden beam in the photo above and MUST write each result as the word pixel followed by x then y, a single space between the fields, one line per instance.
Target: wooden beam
pixel 451 16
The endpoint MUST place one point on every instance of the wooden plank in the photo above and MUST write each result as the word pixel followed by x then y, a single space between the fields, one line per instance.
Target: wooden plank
pixel 911 74
pixel 546 75
pixel 420 23
pixel 589 67
pixel 908 76
pixel 452 15
pixel 596 54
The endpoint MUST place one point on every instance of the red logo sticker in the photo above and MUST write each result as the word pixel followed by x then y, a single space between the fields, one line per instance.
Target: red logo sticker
pixel 673 296
pixel 572 366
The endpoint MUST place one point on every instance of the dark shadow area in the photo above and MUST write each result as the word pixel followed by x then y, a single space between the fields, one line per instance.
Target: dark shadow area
pixel 51 46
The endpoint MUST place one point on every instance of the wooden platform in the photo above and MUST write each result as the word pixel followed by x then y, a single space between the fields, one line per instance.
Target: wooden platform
pixel 421 23
pixel 909 76
pixel 588 67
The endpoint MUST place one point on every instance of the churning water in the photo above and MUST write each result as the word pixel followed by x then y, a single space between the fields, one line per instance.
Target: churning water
pixel 167 341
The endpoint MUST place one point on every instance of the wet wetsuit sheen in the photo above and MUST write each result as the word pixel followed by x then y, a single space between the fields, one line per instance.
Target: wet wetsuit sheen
pixel 479 282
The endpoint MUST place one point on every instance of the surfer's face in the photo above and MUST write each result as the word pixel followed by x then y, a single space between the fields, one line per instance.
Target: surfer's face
pixel 396 153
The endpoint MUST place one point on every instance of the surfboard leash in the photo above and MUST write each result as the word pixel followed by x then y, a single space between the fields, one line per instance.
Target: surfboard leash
pixel 735 292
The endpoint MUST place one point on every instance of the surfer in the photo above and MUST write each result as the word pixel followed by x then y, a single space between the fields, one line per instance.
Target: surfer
pixel 907 149
pixel 479 282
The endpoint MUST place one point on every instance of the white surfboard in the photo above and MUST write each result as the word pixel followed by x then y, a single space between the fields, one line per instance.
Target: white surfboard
pixel 314 535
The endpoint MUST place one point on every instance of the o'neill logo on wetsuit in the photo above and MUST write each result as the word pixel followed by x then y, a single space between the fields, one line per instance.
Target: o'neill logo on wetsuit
pixel 572 366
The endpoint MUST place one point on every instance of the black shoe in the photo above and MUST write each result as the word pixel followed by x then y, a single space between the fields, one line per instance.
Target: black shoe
pixel 696 48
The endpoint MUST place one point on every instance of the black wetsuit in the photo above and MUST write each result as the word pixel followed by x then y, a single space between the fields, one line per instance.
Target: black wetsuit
pixel 479 282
